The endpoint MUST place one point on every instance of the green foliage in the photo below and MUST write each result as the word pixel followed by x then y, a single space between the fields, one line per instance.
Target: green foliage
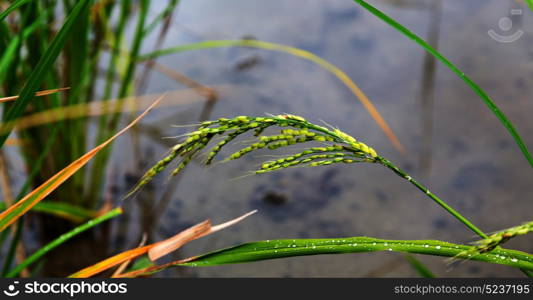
pixel 529 4
pixel 64 210
pixel 12 7
pixel 339 148
pixel 274 249
pixel 43 67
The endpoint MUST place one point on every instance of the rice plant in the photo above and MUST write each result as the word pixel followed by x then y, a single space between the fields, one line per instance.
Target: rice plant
pixel 336 147
pixel 339 148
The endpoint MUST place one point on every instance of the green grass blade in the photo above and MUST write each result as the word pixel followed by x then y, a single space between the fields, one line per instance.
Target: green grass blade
pixel 490 104
pixel 62 239
pixel 433 197
pixel 43 67
pixel 63 210
pixel 127 82
pixel 272 249
pixel 13 48
pixel 422 270
pixel 161 17
pixel 126 87
pixel 12 7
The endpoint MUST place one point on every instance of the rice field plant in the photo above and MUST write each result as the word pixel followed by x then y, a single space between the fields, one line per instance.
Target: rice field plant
pixel 71 70
pixel 334 147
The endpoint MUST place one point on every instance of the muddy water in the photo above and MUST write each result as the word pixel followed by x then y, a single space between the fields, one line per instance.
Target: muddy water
pixel 454 144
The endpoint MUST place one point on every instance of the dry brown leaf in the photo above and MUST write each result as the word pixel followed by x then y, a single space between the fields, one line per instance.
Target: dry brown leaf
pixel 159 249
pixel 37 94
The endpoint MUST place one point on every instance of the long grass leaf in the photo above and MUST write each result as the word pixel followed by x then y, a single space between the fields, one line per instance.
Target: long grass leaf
pixel 273 249
pixel 11 52
pixel 484 96
pixel 10 215
pixel 337 72
pixel 63 210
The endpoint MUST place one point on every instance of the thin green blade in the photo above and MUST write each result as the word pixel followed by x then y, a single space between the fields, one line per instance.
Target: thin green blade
pixel 490 104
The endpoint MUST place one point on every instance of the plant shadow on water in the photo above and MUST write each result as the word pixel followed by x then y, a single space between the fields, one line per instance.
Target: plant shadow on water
pixel 455 146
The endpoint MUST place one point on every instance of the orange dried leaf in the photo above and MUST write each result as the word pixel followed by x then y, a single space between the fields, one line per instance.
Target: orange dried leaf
pixel 159 249
pixel 111 262
pixel 167 246
pixel 125 264
pixel 37 94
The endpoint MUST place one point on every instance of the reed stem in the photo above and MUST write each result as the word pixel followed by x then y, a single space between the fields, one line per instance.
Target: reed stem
pixel 432 196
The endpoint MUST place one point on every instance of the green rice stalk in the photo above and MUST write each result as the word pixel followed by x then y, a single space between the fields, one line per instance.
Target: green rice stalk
pixel 164 14
pixel 298 128
pixel 60 209
pixel 501 237
pixel 12 7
